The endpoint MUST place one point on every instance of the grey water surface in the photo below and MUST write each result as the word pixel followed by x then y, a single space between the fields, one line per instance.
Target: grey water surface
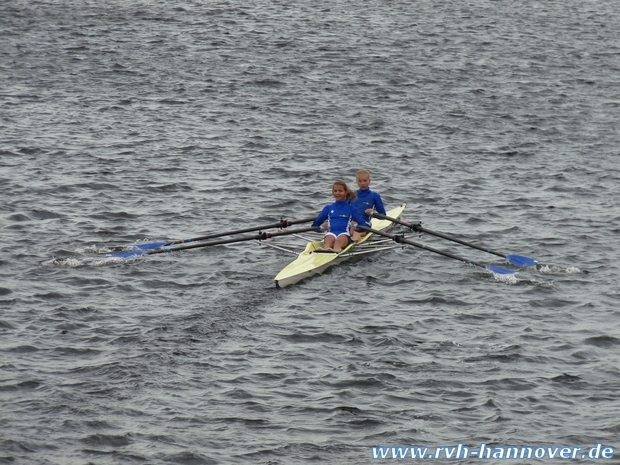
pixel 128 122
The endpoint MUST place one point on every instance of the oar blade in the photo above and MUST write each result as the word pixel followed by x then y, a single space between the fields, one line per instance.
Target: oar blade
pixel 152 246
pixel 498 270
pixel 518 260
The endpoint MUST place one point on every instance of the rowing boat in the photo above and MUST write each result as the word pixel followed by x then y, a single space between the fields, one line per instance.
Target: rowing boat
pixel 313 261
pixel 310 262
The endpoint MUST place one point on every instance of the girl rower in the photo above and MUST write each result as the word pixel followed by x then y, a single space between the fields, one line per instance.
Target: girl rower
pixel 339 216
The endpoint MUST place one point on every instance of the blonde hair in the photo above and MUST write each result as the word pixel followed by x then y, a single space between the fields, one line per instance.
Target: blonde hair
pixel 362 173
pixel 350 194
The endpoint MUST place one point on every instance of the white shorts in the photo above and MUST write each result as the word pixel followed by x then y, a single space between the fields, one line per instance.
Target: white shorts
pixel 332 234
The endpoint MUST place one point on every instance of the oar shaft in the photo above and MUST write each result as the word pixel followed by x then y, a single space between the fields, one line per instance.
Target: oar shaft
pixel 259 237
pixel 280 224
pixel 402 240
pixel 419 228
pixel 459 241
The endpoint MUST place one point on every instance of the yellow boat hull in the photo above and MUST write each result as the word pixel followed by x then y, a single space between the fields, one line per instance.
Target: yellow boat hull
pixel 310 263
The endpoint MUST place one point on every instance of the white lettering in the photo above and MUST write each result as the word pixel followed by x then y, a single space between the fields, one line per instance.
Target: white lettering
pixel 450 452
pixel 608 453
pixel 463 449
pixel 595 452
pixel 461 452
pixel 400 452
pixel 380 452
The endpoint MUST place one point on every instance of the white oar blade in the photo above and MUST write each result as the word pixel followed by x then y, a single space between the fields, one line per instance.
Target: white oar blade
pixel 518 260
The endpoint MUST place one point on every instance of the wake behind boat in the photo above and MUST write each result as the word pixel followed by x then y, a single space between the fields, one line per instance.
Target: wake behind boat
pixel 312 261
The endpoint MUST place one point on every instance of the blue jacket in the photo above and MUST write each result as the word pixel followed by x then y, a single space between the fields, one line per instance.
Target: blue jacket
pixel 339 216
pixel 368 199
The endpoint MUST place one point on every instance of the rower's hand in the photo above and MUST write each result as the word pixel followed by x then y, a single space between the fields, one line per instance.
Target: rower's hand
pixel 369 211
pixel 324 227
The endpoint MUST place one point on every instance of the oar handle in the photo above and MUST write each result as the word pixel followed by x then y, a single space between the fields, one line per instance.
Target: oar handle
pixel 305 220
pixel 412 226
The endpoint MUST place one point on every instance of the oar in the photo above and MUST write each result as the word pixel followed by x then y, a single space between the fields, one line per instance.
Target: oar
pixel 516 260
pixel 157 245
pixel 260 237
pixel 402 240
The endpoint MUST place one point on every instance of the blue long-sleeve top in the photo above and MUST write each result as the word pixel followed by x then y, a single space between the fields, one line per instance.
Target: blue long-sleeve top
pixel 338 216
pixel 368 199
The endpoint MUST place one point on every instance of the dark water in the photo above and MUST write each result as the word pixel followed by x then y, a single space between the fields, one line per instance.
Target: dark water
pixel 121 122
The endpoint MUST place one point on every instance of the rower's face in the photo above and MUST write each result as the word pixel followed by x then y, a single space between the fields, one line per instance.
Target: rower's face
pixel 339 193
pixel 363 182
